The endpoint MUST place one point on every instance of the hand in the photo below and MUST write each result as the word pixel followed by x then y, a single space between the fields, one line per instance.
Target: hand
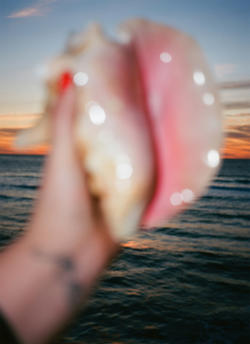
pixel 64 215
pixel 49 272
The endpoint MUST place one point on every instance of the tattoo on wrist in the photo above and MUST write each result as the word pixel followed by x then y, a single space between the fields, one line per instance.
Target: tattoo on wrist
pixel 75 293
pixel 66 270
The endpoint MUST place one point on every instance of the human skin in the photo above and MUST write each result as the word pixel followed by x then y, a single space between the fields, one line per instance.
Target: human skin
pixel 48 273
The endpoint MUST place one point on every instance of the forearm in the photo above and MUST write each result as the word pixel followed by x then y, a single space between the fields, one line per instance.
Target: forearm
pixel 42 288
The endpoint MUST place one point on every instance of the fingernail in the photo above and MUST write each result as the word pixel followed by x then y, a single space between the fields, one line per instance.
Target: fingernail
pixel 64 81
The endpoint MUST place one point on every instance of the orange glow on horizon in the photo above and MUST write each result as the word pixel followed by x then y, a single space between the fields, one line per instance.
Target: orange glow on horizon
pixel 9 126
pixel 233 148
pixel 237 128
pixel 7 145
pixel 236 149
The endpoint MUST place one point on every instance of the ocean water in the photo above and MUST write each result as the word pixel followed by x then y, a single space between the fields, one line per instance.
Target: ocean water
pixel 186 283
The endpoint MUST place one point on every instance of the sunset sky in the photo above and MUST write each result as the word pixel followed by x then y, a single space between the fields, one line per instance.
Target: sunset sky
pixel 33 31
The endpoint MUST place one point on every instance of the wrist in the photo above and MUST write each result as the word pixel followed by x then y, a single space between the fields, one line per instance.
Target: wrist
pixel 90 252
pixel 52 283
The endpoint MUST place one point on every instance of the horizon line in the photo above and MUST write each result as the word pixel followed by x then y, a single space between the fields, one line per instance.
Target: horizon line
pixel 44 155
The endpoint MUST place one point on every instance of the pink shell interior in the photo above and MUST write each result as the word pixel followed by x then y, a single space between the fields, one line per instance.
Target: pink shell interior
pixel 184 113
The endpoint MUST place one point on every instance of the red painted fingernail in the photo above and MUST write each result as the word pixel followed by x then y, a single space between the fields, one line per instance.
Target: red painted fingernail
pixel 65 81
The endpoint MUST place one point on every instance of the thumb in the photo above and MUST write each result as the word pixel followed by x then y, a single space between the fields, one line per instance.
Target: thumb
pixel 64 178
pixel 63 116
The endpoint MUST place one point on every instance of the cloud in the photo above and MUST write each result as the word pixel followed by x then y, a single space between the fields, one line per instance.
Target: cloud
pixel 27 12
pixel 239 132
pixel 225 69
pixel 237 105
pixel 234 84
pixel 7 137
pixel 19 121
pixel 238 90
pixel 10 124
pixel 37 9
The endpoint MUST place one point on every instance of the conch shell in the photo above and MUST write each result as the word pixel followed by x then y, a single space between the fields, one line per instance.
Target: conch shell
pixel 148 121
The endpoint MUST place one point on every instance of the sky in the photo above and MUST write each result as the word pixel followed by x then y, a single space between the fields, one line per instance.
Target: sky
pixel 33 31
